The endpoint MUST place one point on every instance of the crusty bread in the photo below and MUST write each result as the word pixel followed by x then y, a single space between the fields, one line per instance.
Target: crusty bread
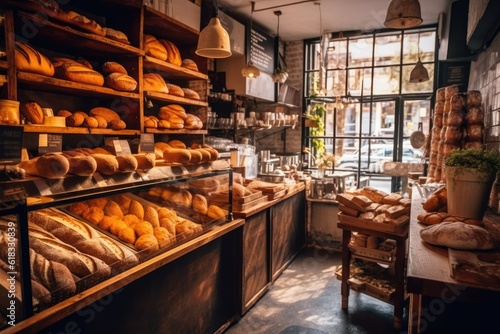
pixel 193 122
pixel 168 111
pixel 113 67
pixel 127 163
pixel 145 161
pixel 117 35
pixel 458 235
pixel 154 48
pixel 121 82
pixel 30 60
pixel 153 82
pixel 81 22
pixel 374 194
pixel 33 112
pixel 51 166
pixel 191 94
pixel 79 73
pixel 176 155
pixel 82 165
pixel 175 90
pixel 107 113
pixel 106 163
pixel 173 54
pixel 190 64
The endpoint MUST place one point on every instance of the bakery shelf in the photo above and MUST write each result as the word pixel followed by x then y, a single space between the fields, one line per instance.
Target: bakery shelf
pixel 374 255
pixel 35 128
pixel 62 38
pixel 41 82
pixel 371 225
pixel 172 71
pixel 157 23
pixel 3 64
pixel 178 131
pixel 125 132
pixel 175 99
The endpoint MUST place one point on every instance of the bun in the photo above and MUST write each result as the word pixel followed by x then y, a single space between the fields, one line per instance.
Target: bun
pixel 189 64
pixel 121 82
pixel 113 67
pixel 154 48
pixel 153 82
pixel 173 54
pixel 458 235
pixel 30 60
pixel 32 112
pixel 147 241
pixel 151 216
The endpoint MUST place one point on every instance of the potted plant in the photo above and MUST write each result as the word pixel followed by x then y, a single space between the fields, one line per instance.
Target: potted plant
pixel 280 75
pixel 469 177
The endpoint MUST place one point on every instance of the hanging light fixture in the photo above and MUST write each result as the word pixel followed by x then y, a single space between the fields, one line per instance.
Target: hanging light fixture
pixel 281 72
pixel 250 71
pixel 419 72
pixel 213 41
pixel 403 14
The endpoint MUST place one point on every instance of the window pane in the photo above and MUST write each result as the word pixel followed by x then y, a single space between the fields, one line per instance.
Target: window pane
pixel 336 55
pixel 360 52
pixel 358 77
pixel 386 80
pixel 388 50
pixel 412 47
pixel 416 111
pixel 417 87
pixel 335 83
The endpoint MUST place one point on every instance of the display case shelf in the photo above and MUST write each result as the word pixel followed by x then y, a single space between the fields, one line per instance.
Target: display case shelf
pixel 175 99
pixel 172 71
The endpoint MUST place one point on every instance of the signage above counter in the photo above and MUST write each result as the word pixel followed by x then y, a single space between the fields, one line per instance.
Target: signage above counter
pixel 260 46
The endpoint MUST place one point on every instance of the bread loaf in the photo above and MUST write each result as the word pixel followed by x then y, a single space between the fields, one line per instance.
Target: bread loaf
pixel 154 48
pixel 32 112
pixel 76 119
pixel 346 199
pixel 30 60
pixel 50 165
pixel 182 198
pixel 173 54
pixel 117 35
pixel 145 161
pixel 193 122
pixel 200 204
pixel 153 82
pixel 82 165
pixel 121 82
pixel 167 111
pixel 175 90
pixel 348 211
pixel 191 94
pixel 215 212
pixel 113 67
pixel 80 21
pixel 127 163
pixel 189 64
pixel 108 114
pixel 458 235
pixel 117 124
pixel 374 194
pixel 51 274
pixel 176 155
pixel 147 241
pixel 79 73
pixel 436 201
pixel 90 122
pixel 106 163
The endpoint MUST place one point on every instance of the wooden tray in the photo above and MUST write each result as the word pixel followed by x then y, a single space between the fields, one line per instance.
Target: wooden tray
pixel 371 225
pixel 480 268
pixel 221 197
pixel 276 195
pixel 366 288
pixel 238 207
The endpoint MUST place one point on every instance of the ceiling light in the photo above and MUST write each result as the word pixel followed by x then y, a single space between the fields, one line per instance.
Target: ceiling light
pixel 213 41
pixel 419 72
pixel 403 14
pixel 250 71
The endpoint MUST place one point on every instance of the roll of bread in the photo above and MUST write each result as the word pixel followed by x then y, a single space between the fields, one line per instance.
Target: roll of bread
pixel 439 107
pixel 206 156
pixel 176 143
pixel 153 82
pixel 127 163
pixel 76 119
pixel 33 112
pixel 200 204
pixel 117 124
pixel 150 122
pixel 176 155
pixel 455 118
pixel 147 241
pixel 163 124
pixel 154 48
pixel 475 133
pixel 189 64
pixel 436 201
pixel 458 235
pixel 101 122
pixel 474 98
pixel 90 122
pixel 440 94
pixel 449 91
pixel 175 90
pixel 108 114
pixel 82 22
pixel 106 163
pixel 30 60
pixel 191 94
pixel 50 165
pixel 82 165
pixel 145 161
pixel 151 216
pixel 121 82
pixel 196 157
pixel 458 102
pixel 79 73
pixel 215 212
pixel 136 209
pixel 173 54
pixel 475 116
pixel 432 218
pixel 113 67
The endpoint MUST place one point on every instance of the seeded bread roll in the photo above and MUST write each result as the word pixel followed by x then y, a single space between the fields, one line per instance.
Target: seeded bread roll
pixel 30 60
pixel 154 48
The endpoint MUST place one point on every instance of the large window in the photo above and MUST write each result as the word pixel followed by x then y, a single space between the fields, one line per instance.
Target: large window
pixel 369 106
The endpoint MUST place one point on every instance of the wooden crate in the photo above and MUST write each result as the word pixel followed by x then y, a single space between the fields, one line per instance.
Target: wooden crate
pixel 370 224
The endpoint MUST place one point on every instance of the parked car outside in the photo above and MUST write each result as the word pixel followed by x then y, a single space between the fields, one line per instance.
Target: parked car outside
pixel 378 153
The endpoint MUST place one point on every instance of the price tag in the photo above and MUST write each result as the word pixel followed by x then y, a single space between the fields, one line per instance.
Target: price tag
pixel 147 143
pixel 48 142
pixel 99 179
pixel 43 187
pixel 11 143
pixel 121 147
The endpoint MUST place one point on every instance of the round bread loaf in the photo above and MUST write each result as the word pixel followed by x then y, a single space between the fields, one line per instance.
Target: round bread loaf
pixel 474 98
pixel 154 48
pixel 438 120
pixel 32 112
pixel 458 102
pixel 173 54
pixel 191 94
pixel 108 114
pixel 475 133
pixel 458 235
pixel 52 165
pixel 113 67
pixel 175 90
pixel 153 82
pixel 189 64
pixel 121 82
pixel 439 107
pixel 30 60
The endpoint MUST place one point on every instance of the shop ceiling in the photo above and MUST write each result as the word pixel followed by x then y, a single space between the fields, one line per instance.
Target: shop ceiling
pixel 301 19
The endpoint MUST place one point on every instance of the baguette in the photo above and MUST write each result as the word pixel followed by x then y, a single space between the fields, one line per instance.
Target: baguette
pixel 80 21
pixel 53 275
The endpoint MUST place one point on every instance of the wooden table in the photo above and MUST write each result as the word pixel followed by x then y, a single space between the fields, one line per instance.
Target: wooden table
pixel 399 265
pixel 428 275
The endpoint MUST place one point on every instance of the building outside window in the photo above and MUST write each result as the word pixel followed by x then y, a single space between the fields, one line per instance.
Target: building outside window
pixel 370 108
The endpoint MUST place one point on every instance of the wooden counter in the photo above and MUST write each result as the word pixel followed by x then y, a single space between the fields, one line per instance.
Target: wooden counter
pixel 428 275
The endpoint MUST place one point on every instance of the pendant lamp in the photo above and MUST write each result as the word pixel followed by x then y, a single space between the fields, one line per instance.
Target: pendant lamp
pixel 419 72
pixel 403 14
pixel 213 41
pixel 250 71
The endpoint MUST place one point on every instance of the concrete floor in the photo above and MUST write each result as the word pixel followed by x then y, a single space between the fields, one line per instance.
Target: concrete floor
pixel 306 299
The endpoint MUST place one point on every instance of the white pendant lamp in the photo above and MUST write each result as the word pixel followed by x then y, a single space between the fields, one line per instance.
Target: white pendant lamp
pixel 419 72
pixel 403 14
pixel 213 41
pixel 250 71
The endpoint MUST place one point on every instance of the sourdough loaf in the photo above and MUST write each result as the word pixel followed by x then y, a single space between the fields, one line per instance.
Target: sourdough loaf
pixel 173 54
pixel 153 82
pixel 154 48
pixel 121 82
pixel 458 235
pixel 33 112
pixel 30 60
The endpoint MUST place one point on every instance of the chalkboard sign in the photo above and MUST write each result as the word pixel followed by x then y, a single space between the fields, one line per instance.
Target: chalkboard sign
pixel 11 143
pixel 454 73
pixel 260 46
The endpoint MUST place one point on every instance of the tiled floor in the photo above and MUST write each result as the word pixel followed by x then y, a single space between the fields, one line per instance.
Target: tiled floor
pixel 306 299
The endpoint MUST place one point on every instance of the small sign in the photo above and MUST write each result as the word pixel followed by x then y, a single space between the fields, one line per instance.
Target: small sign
pixel 49 142
pixel 147 143
pixel 11 143
pixel 121 147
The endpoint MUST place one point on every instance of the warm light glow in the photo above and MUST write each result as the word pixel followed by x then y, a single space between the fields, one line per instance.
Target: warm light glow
pixel 403 14
pixel 250 71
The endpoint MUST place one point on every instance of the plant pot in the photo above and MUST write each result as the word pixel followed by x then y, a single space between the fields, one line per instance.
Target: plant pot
pixel 468 191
